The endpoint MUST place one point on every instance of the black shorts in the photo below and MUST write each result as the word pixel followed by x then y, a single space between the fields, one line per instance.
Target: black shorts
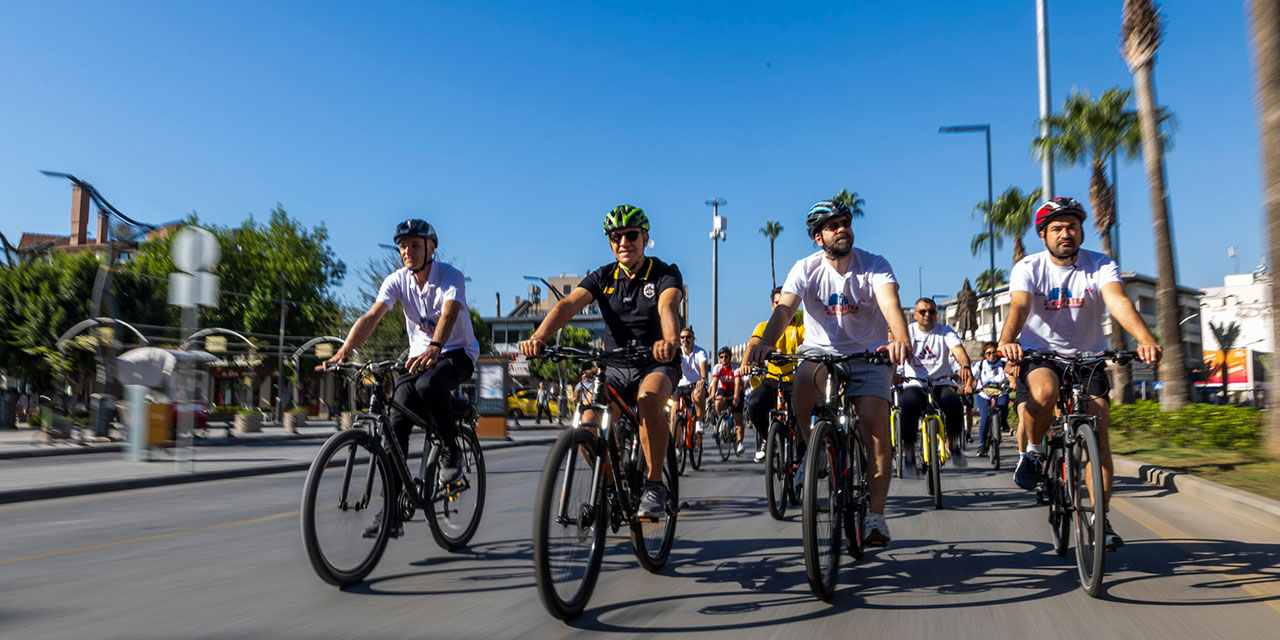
pixel 1094 378
pixel 626 378
pixel 721 392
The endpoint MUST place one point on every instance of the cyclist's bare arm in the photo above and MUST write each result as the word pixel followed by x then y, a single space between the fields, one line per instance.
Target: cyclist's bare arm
pixel 1019 308
pixel 666 349
pixel 891 308
pixel 1122 311
pixel 788 303
pixel 360 331
pixel 966 367
pixel 565 310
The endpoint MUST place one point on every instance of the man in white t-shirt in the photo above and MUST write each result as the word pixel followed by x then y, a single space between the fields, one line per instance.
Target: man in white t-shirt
pixel 442 345
pixel 933 347
pixel 693 376
pixel 851 304
pixel 1057 298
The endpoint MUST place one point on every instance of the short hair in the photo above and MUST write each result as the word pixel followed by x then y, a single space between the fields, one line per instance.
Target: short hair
pixel 929 300
pixel 989 344
pixel 777 291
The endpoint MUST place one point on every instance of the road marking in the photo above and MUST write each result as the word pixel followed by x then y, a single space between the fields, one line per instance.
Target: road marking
pixel 1264 586
pixel 158 536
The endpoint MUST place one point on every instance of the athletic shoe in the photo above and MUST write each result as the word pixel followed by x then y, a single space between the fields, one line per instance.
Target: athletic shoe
pixel 1110 539
pixel 739 449
pixel 652 501
pixel 1027 475
pixel 702 428
pixel 759 455
pixel 957 457
pixel 372 530
pixel 449 465
pixel 877 530
pixel 982 451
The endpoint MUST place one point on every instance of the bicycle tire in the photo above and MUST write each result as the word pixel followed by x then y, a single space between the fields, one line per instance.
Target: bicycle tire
pixel 322 547
pixel 899 452
pixel 574 562
pixel 1059 512
pixel 722 443
pixel 652 541
pixel 820 523
pixel 455 517
pixel 931 424
pixel 680 438
pixel 776 468
pixel 1090 532
pixel 695 455
pixel 857 500
pixel 995 430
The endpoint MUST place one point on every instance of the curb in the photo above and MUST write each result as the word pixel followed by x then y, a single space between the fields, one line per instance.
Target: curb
pixel 88 488
pixel 1263 510
pixel 117 447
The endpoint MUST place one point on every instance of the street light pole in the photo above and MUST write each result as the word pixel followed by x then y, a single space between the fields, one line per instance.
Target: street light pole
pixel 991 240
pixel 717 234
pixel 1042 63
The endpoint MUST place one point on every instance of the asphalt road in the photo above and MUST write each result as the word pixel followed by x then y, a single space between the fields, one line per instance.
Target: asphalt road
pixel 224 560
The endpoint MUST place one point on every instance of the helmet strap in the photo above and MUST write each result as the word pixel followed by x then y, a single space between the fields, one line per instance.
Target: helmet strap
pixel 425 264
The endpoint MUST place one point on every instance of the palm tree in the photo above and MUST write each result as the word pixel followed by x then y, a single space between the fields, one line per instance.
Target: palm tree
pixel 984 279
pixel 1092 132
pixel 1226 335
pixel 771 229
pixel 852 201
pixel 1010 217
pixel 1140 37
pixel 1266 55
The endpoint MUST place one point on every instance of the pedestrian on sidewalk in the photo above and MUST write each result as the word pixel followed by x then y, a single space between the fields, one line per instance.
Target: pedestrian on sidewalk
pixel 544 402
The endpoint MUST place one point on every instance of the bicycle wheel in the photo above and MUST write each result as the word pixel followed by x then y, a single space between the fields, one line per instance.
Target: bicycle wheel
pixel 1090 508
pixel 933 427
pixel 856 500
pixel 345 490
pixel 1059 501
pixel 777 466
pixel 681 437
pixel 722 441
pixel 568 525
pixel 695 454
pixel 653 540
pixel 820 518
pixel 453 513
pixel 899 452
pixel 995 431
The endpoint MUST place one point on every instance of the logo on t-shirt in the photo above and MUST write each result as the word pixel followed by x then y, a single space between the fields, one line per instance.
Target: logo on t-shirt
pixel 649 290
pixel 838 305
pixel 427 325
pixel 925 354
pixel 1061 298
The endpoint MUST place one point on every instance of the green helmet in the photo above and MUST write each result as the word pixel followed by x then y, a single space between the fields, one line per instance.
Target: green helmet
pixel 625 216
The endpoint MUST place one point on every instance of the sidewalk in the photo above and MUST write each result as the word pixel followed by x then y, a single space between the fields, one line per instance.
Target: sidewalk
pixel 58 470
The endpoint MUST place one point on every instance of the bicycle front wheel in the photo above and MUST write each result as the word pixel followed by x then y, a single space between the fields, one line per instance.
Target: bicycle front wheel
pixel 857 500
pixel 653 540
pixel 995 432
pixel 453 513
pixel 820 511
pixel 695 453
pixel 1090 507
pixel 1059 501
pixel 777 465
pixel 933 427
pixel 899 451
pixel 568 525
pixel 345 493
pixel 681 438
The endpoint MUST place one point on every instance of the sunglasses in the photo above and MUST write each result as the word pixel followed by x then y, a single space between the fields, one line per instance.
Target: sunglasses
pixel 686 337
pixel 617 236
pixel 988 353
pixel 926 312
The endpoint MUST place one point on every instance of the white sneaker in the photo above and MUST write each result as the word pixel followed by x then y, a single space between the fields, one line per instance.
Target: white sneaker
pixel 760 455
pixel 877 530
pixel 702 428
pixel 740 449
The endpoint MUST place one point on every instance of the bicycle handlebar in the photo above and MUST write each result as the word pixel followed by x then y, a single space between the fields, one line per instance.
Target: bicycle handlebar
pixel 632 354
pixel 873 357
pixel 1082 358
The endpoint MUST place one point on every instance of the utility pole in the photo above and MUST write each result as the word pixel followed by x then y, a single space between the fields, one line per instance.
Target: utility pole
pixel 280 356
pixel 718 226
pixel 1042 50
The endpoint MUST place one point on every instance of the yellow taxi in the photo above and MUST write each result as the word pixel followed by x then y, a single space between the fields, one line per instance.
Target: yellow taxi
pixel 524 404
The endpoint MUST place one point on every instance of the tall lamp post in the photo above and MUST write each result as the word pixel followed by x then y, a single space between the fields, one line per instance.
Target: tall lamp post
pixel 991 241
pixel 718 225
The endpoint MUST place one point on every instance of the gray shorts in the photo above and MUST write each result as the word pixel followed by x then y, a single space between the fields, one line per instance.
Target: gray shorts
pixel 863 378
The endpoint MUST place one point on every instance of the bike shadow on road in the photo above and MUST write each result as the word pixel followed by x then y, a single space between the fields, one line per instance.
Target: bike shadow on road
pixel 482 567
pixel 1210 572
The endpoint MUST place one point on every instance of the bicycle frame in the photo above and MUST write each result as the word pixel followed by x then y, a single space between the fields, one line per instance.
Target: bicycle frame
pixel 934 412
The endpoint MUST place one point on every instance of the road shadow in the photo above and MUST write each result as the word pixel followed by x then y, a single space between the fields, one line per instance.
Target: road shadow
pixel 1215 571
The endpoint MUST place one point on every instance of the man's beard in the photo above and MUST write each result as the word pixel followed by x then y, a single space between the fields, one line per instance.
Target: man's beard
pixel 1065 255
pixel 835 251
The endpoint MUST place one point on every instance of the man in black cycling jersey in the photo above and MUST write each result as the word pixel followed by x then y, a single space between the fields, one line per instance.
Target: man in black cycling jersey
pixel 639 299
pixel 442 346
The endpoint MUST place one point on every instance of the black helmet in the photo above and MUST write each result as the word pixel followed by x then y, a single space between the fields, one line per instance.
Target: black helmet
pixel 724 351
pixel 415 228
pixel 820 213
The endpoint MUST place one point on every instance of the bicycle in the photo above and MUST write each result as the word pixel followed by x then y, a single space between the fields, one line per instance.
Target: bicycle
pixel 726 434
pixel 573 504
pixel 1070 477
pixel 895 433
pixel 931 444
pixel 688 440
pixel 336 506
pixel 998 421
pixel 781 452
pixel 836 485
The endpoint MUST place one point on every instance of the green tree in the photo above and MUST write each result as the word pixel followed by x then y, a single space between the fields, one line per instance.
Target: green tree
pixel 1140 38
pixel 1010 216
pixel 983 281
pixel 570 336
pixel 770 230
pixel 850 200
pixel 1226 335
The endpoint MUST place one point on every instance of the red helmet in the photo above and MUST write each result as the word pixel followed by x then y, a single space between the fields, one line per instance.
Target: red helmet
pixel 1055 207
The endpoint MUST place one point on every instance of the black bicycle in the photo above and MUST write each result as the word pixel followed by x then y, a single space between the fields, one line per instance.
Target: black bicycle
pixel 1073 472
pixel 347 487
pixel 575 503
pixel 781 452
pixel 836 485
pixel 997 421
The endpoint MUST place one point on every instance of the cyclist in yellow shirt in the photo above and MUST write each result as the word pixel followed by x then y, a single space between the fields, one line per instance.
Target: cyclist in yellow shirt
pixel 762 397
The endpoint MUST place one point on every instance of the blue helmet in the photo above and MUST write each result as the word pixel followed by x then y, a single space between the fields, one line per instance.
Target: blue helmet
pixel 415 228
pixel 823 211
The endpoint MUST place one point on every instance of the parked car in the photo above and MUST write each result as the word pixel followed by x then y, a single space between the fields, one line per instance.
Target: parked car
pixel 524 404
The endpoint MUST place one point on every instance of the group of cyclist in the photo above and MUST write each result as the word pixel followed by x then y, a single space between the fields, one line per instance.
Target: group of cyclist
pixel 841 299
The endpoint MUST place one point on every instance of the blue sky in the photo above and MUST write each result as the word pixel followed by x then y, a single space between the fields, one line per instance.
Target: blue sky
pixel 513 127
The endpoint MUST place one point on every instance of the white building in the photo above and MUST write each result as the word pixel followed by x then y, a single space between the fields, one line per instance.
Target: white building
pixel 1244 299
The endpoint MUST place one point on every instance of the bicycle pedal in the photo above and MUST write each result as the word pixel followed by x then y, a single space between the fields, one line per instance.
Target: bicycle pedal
pixel 877 543
pixel 648 519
